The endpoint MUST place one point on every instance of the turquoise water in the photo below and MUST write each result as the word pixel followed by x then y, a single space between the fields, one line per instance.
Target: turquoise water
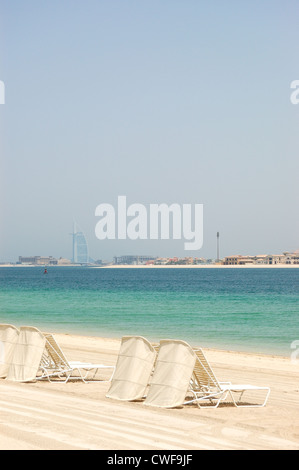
pixel 239 309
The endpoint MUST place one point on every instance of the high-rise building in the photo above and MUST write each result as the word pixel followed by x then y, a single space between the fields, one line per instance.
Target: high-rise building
pixel 80 247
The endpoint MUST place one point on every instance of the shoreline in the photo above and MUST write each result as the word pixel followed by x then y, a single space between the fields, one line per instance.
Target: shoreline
pixel 197 266
pixel 78 416
pixel 151 266
pixel 195 344
pixel 217 349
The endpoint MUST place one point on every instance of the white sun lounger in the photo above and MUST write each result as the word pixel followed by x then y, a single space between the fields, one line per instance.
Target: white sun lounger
pixel 181 371
pixel 133 369
pixel 8 338
pixel 205 388
pixel 172 374
pixel 55 365
pixel 27 354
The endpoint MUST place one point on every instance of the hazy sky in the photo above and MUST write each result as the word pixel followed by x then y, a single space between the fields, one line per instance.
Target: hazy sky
pixel 162 101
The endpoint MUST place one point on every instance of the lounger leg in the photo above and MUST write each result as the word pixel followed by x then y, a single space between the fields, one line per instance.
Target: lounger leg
pixel 211 397
pixel 250 406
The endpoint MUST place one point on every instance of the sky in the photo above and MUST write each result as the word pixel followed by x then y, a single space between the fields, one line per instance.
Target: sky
pixel 167 101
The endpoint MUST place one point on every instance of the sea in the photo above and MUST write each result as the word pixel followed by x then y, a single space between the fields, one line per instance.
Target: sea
pixel 251 310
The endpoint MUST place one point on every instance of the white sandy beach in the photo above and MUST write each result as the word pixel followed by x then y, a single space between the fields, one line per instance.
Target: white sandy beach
pixel 75 415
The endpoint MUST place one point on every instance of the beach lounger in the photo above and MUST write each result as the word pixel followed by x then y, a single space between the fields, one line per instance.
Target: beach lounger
pixel 27 354
pixel 171 378
pixel 133 369
pixel 55 365
pixel 8 338
pixel 205 387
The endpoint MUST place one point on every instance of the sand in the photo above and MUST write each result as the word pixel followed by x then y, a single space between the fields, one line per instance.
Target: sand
pixel 77 416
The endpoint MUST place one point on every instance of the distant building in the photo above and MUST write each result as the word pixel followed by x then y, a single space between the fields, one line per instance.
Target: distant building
pixel 285 258
pixel 261 259
pixel 175 261
pixel 200 261
pixel 37 260
pixel 63 262
pixel 80 248
pixel 271 259
pixel 292 258
pixel 161 261
pixel 132 259
pixel 275 259
pixel 238 260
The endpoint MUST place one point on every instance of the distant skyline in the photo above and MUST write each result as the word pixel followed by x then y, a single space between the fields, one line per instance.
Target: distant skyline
pixel 84 257
pixel 164 102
